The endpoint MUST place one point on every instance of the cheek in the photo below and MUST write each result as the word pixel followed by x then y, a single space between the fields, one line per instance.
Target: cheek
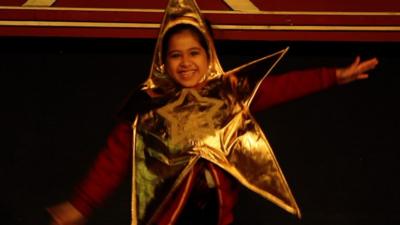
pixel 204 65
pixel 170 69
pixel 170 66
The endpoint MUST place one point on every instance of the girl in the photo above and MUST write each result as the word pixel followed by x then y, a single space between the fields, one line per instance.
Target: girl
pixel 197 140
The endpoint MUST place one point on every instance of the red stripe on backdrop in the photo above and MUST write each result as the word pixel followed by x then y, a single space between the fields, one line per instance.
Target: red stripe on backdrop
pixel 219 34
pixel 152 4
pixel 308 36
pixel 84 16
pixel 77 32
pixel 326 5
pixel 214 17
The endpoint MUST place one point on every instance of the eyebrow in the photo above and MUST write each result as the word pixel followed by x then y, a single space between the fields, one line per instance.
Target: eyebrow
pixel 176 50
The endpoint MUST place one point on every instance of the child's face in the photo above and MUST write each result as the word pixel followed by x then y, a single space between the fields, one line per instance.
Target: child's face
pixel 186 60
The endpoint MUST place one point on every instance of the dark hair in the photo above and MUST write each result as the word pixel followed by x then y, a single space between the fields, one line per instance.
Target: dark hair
pixel 178 29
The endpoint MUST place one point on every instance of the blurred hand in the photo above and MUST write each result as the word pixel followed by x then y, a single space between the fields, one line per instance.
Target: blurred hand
pixel 356 71
pixel 66 214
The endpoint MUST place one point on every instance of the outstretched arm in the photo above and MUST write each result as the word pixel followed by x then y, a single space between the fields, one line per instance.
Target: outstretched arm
pixel 103 178
pixel 278 89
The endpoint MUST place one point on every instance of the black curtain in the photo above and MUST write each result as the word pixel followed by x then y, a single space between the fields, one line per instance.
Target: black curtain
pixel 338 148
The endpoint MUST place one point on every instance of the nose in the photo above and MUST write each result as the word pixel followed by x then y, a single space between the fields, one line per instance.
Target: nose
pixel 185 60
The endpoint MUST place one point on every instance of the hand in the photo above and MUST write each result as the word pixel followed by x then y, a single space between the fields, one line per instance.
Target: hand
pixel 356 71
pixel 66 214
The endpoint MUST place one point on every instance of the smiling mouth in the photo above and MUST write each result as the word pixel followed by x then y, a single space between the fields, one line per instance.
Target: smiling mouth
pixel 186 74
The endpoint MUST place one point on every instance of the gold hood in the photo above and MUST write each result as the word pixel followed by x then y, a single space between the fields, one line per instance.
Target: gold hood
pixel 179 12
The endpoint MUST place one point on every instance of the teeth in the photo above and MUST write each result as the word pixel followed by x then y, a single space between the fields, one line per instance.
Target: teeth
pixel 186 74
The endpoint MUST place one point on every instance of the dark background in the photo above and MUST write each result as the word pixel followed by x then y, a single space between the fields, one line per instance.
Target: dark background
pixel 338 148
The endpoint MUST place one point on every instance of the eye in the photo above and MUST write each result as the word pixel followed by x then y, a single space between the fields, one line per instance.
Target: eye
pixel 194 52
pixel 174 55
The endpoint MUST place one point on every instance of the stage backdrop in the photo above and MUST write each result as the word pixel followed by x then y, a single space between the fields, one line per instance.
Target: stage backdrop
pixel 339 20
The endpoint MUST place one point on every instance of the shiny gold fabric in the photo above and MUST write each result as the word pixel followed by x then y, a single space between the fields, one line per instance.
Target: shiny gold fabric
pixel 211 123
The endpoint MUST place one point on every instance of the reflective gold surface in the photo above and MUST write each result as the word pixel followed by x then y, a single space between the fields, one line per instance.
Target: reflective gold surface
pixel 212 123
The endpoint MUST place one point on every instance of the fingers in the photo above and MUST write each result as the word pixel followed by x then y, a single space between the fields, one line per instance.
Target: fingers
pixel 367 65
pixel 356 71
pixel 356 62
pixel 362 76
pixel 358 68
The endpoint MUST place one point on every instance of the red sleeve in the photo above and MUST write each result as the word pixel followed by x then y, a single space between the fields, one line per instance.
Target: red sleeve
pixel 281 88
pixel 108 170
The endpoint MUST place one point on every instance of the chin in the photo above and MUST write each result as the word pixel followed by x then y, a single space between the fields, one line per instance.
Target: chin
pixel 188 85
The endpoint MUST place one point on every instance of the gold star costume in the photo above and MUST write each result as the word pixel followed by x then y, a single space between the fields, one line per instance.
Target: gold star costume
pixel 212 123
